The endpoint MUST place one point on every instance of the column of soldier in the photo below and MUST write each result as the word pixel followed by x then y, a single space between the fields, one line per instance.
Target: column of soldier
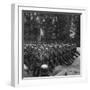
pixel 52 55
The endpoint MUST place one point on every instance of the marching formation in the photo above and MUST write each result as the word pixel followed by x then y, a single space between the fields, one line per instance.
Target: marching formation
pixel 41 59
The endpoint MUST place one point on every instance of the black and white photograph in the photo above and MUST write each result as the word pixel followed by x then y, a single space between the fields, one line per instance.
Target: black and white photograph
pixel 50 43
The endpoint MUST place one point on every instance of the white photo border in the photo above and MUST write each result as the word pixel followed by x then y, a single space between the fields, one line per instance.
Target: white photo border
pixel 16 67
